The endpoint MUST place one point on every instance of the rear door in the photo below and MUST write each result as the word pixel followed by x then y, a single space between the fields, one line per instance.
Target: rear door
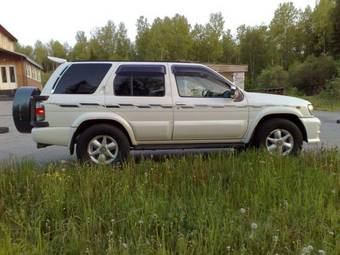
pixel 204 109
pixel 141 94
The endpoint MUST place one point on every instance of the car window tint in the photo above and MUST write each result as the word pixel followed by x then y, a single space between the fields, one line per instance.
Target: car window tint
pixel 140 85
pixel 122 85
pixel 82 78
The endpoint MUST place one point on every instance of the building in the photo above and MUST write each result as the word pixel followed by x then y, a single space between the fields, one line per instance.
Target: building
pixel 16 69
pixel 234 73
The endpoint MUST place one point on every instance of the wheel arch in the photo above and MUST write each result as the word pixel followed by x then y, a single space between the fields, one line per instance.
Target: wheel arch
pixel 91 122
pixel 288 116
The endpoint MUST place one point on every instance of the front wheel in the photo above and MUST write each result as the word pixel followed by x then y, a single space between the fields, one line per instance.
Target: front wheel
pixel 279 136
pixel 103 144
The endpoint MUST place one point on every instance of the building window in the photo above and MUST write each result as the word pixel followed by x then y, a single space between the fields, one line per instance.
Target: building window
pixel 39 76
pixel 3 74
pixel 12 74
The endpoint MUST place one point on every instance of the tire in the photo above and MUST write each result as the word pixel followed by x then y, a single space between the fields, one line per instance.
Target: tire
pixel 268 137
pixel 92 140
pixel 22 108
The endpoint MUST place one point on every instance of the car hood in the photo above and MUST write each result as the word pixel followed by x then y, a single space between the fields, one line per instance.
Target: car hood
pixel 262 99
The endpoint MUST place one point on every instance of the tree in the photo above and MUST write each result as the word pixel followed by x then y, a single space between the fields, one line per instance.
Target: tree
pixel 230 51
pixel 81 50
pixel 213 34
pixel 323 25
pixel 253 49
pixel 283 33
pixel 142 38
pixel 56 49
pixel 306 39
pixel 103 42
pixel 312 75
pixel 274 76
pixel 40 55
pixel 122 47
pixel 165 39
pixel 26 50
pixel 335 37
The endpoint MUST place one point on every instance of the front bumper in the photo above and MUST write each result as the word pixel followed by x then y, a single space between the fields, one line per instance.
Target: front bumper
pixel 312 126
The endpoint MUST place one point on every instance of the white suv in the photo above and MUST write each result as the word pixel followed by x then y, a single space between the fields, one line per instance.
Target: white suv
pixel 105 109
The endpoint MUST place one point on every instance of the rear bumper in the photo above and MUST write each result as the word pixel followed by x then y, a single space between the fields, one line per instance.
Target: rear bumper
pixel 53 135
pixel 312 126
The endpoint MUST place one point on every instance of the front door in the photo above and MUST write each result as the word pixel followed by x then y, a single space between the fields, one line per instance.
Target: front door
pixel 204 109
pixel 8 78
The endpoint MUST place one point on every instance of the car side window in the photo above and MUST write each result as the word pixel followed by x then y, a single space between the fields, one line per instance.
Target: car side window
pixel 82 78
pixel 138 82
pixel 197 85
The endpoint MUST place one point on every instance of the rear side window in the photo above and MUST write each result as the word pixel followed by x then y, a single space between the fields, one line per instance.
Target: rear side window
pixel 140 81
pixel 82 78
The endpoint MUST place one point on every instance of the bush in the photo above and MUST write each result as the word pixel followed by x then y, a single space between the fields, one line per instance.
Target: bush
pixel 312 75
pixel 273 77
pixel 332 90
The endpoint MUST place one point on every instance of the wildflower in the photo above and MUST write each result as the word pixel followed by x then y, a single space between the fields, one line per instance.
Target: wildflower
pixel 285 203
pixel 331 233
pixel 275 238
pixel 228 248
pixel 125 245
pixel 140 222
pixel 63 169
pixel 242 210
pixel 113 220
pixel 334 191
pixel 110 233
pixel 63 162
pixel 321 252
pixel 307 250
pixel 253 226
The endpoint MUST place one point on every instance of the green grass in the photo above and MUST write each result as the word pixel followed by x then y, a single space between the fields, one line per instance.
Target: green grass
pixel 324 104
pixel 190 205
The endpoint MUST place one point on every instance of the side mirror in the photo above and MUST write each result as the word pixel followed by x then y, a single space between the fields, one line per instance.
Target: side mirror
pixel 230 93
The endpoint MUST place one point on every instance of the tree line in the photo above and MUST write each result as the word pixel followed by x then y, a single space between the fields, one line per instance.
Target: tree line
pixel 292 37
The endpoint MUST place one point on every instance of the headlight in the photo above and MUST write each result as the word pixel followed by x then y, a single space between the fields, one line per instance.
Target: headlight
pixel 310 109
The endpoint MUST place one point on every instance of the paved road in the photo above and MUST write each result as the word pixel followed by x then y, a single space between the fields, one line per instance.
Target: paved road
pixel 16 145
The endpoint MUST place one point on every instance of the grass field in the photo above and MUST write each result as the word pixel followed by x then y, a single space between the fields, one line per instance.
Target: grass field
pixel 251 203
pixel 324 104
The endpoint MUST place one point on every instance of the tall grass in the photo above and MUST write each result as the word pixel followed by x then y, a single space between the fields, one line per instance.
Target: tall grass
pixel 251 203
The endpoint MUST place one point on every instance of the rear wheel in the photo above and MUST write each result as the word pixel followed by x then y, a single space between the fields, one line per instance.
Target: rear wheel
pixel 279 136
pixel 103 144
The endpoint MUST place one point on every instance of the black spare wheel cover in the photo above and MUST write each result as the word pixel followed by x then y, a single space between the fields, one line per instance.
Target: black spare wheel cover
pixel 22 108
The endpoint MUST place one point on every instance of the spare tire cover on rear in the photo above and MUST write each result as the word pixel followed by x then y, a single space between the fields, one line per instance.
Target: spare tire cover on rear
pixel 22 108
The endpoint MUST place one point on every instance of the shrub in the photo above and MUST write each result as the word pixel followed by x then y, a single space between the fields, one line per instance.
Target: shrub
pixel 312 75
pixel 332 90
pixel 274 76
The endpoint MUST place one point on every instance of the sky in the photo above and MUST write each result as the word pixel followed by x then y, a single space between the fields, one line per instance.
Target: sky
pixel 44 20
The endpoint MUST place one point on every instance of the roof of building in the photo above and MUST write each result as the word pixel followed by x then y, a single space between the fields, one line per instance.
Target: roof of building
pixel 23 56
pixel 8 34
pixel 229 68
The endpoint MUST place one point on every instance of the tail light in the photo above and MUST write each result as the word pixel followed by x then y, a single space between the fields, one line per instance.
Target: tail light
pixel 40 112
